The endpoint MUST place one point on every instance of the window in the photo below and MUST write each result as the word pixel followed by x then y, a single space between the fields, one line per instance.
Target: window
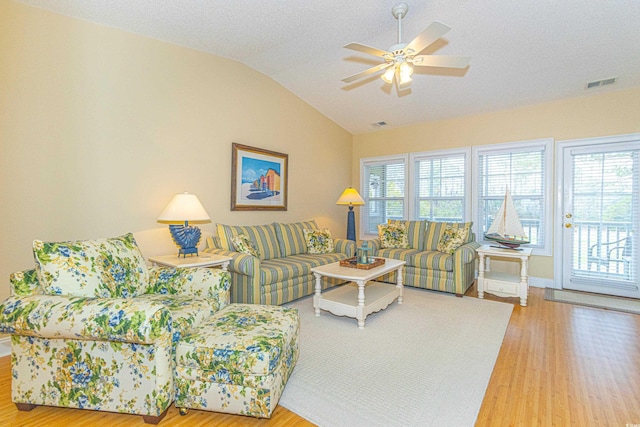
pixel 524 168
pixel 384 190
pixel 440 184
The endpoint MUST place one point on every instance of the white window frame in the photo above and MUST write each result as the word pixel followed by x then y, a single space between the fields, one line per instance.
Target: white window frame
pixel 547 221
pixel 427 155
pixel 364 192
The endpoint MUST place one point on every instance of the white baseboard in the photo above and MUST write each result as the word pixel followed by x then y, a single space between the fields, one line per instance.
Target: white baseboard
pixel 541 282
pixel 5 346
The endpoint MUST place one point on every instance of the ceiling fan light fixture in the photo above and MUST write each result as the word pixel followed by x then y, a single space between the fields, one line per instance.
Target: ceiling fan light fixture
pixel 405 71
pixel 388 75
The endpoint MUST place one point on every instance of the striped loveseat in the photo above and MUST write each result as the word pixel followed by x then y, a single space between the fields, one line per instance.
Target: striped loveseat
pixel 282 270
pixel 427 267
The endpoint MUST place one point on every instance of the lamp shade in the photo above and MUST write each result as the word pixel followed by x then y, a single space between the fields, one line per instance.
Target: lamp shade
pixel 350 197
pixel 183 208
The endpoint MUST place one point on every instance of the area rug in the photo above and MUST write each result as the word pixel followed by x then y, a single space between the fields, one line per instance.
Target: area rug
pixel 627 305
pixel 426 362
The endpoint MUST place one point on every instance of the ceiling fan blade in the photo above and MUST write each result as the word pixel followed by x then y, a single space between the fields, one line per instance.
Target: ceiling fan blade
pixel 430 34
pixel 367 72
pixel 441 61
pixel 367 49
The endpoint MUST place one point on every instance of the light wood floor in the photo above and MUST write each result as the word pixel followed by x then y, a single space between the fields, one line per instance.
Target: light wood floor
pixel 559 365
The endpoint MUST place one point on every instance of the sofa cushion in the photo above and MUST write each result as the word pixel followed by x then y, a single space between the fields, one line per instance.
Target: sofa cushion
pixel 187 312
pixel 433 260
pixel 452 239
pixel 393 235
pixel 281 269
pixel 319 241
pixel 263 237
pixel 414 230
pixel 244 245
pixel 107 268
pixel 403 254
pixel 291 237
pixel 435 230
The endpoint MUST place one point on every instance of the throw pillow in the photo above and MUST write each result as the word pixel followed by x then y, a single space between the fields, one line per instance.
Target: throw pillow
pixel 393 236
pixel 318 241
pixel 452 238
pixel 243 244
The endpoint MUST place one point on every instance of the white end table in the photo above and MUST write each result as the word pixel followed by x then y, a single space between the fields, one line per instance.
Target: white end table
pixel 202 260
pixel 503 284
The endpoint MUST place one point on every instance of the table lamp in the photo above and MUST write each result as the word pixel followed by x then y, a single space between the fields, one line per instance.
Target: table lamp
pixel 183 209
pixel 350 197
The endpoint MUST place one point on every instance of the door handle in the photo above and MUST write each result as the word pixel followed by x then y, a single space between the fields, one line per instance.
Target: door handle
pixel 568 225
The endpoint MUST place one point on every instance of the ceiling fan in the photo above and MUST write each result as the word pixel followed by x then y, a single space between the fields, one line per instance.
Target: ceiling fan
pixel 401 57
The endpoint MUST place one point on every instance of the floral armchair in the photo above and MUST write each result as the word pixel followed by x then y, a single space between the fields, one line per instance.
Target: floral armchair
pixel 93 327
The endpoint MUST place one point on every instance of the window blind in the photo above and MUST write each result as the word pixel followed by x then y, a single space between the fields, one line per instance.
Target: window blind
pixel 523 172
pixel 440 187
pixel 385 193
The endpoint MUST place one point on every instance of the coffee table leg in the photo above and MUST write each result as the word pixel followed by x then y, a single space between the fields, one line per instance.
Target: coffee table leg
pixel 316 297
pixel 399 285
pixel 360 310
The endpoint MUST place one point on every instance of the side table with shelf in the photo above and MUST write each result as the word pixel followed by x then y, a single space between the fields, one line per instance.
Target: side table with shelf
pixel 504 284
pixel 208 260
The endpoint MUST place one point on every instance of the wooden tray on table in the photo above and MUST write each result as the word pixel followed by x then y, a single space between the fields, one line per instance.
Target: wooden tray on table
pixel 353 263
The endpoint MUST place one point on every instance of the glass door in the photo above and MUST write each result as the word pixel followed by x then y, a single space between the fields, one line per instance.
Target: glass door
pixel 601 218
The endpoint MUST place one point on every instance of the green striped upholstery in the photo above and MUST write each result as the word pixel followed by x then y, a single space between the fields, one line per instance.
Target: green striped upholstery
pixel 415 232
pixel 430 269
pixel 262 236
pixel 291 237
pixel 277 280
pixel 433 260
pixel 292 289
pixel 434 230
pixel 278 270
pixel 399 253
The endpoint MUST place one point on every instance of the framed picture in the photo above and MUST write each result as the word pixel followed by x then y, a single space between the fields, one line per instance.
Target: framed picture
pixel 258 179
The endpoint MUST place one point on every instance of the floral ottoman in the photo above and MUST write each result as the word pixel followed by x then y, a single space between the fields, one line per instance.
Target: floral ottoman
pixel 238 361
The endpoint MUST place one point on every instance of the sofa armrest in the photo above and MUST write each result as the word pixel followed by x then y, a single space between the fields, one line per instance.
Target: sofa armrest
pixel 192 281
pixel 345 246
pixel 240 263
pixel 466 253
pixel 375 246
pixel 25 283
pixel 109 319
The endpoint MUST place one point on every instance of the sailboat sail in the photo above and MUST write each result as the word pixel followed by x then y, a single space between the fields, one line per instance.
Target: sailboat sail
pixel 506 228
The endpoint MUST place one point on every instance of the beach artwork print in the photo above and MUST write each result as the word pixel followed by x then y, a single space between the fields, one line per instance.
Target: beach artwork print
pixel 259 179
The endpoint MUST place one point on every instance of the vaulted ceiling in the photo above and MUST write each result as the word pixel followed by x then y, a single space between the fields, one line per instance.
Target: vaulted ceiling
pixel 522 52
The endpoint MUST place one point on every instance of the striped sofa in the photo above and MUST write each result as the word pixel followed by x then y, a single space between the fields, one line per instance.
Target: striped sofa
pixel 282 271
pixel 428 268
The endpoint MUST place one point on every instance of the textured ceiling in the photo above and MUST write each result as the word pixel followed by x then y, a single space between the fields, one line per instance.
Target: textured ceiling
pixel 522 52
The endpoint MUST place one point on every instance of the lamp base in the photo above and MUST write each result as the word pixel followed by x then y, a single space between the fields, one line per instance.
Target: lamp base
pixel 187 237
pixel 351 225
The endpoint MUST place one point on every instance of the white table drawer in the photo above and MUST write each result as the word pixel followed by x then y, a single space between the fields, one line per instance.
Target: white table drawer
pixel 501 287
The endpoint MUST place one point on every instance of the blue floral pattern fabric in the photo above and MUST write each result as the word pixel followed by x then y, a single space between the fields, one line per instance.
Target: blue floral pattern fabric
pixel 393 236
pixel 244 245
pixel 452 238
pixel 319 241
pixel 81 349
pixel 239 361
pixel 107 268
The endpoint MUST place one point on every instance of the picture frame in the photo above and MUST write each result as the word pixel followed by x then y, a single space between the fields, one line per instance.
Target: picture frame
pixel 258 179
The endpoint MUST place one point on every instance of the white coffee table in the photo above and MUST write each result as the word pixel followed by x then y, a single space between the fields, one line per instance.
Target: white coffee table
pixel 202 260
pixel 349 300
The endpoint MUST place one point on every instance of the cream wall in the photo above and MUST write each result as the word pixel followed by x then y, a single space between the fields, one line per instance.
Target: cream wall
pixel 100 127
pixel 610 113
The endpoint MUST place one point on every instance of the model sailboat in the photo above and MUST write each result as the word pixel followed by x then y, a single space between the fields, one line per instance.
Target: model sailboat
pixel 506 228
